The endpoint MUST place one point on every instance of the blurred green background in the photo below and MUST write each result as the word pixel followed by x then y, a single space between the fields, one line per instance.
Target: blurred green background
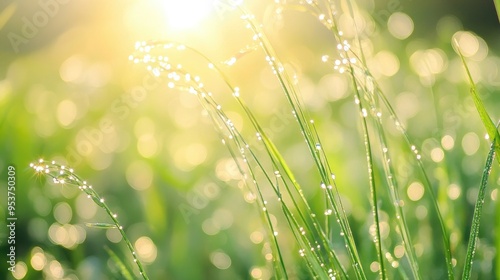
pixel 69 93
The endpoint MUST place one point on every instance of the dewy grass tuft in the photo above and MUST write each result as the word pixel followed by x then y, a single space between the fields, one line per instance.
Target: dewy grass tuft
pixel 65 175
pixel 329 243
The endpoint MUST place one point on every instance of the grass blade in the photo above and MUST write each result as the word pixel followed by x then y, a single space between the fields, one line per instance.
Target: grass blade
pixel 483 114
pixel 373 194
pixel 125 273
pixel 291 94
pixel 100 225
pixel 476 219
pixel 64 175
pixel 497 5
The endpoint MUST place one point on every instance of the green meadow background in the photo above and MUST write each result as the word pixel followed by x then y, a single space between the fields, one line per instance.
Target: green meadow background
pixel 68 92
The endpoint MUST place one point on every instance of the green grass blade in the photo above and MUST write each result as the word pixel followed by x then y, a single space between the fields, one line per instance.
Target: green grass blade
pixel 373 194
pixel 100 225
pixel 64 175
pixel 427 182
pixel 392 184
pixel 483 114
pixel 291 93
pixel 476 219
pixel 122 268
pixel 497 5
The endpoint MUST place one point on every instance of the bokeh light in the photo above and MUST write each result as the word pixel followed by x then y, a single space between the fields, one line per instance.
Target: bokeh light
pixel 400 25
pixel 155 146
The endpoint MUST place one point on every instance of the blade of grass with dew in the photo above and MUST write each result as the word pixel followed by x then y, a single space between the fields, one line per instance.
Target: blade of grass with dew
pixel 373 190
pixel 381 95
pixel 368 150
pixel 277 161
pixel 61 174
pixel 476 219
pixel 218 114
pixel 271 149
pixel 314 260
pixel 392 184
pixel 278 261
pixel 428 188
pixel 122 268
pixel 330 24
pixel 483 114
pixel 292 97
pixel 387 167
pixel 222 125
pixel 427 184
pixel 100 225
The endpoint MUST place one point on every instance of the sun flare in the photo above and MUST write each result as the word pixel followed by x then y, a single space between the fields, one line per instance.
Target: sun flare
pixel 185 14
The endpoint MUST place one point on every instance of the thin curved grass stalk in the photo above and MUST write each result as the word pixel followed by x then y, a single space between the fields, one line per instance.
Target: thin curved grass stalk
pixel 447 249
pixel 223 124
pixel 483 114
pixel 393 189
pixel 388 168
pixel 122 268
pixel 276 159
pixel 373 190
pixel 368 152
pixel 378 93
pixel 288 215
pixel 331 24
pixel 64 175
pixel 427 184
pixel 279 266
pixel 293 100
pixel 476 219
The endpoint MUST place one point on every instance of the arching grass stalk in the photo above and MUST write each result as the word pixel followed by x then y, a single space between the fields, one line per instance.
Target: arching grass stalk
pixel 122 268
pixel 364 82
pixel 305 124
pixel 321 261
pixel 476 219
pixel 365 86
pixel 373 189
pixel 483 114
pixel 325 14
pixel 64 175
pixel 426 181
pixel 374 113
pixel 184 80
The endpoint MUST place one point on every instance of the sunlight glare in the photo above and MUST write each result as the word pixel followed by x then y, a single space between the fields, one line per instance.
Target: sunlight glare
pixel 187 13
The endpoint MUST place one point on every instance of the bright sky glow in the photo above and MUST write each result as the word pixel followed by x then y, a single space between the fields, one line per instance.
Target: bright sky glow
pixel 184 14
